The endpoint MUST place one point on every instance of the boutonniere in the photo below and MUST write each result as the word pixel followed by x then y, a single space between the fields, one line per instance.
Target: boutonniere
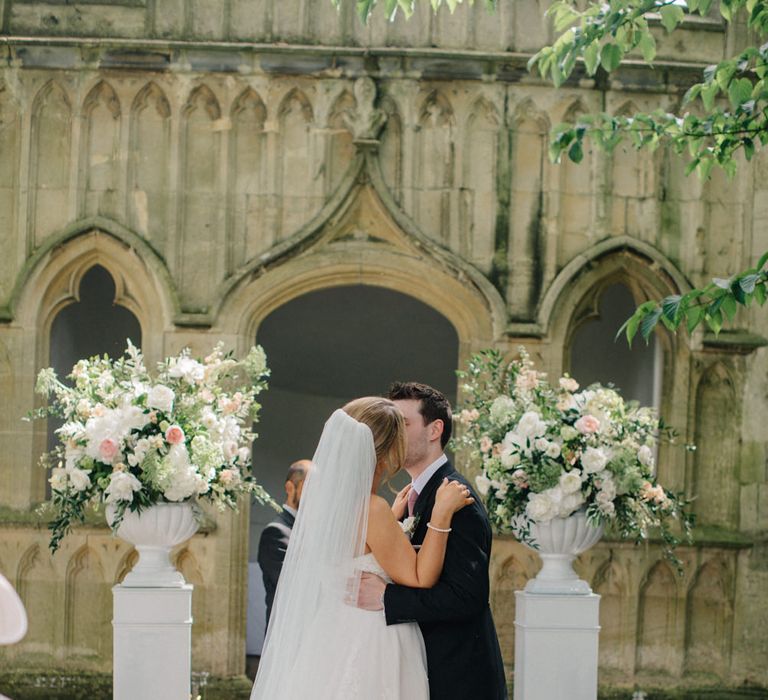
pixel 409 525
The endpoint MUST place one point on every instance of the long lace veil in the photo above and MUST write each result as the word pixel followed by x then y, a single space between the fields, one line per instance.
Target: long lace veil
pixel 329 534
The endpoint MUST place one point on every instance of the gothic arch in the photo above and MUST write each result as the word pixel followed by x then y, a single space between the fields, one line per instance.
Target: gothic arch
pixel 361 237
pixel 51 277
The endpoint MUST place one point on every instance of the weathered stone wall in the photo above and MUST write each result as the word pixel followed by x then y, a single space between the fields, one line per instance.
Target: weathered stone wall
pixel 216 175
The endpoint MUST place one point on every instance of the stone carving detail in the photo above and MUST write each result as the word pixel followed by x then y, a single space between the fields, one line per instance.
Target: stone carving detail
pixel 366 121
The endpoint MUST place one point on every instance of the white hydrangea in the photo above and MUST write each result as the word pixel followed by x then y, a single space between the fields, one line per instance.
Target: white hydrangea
pixel 502 410
pixel 594 459
pixel 531 425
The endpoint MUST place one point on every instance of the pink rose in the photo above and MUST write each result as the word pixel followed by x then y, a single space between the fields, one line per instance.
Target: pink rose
pixel 587 424
pixel 174 435
pixel 108 449
pixel 485 444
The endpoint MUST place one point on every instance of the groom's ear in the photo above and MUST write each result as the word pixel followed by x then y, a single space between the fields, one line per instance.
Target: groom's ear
pixel 436 428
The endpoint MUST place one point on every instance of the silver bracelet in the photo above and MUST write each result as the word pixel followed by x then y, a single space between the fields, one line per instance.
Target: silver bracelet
pixel 438 529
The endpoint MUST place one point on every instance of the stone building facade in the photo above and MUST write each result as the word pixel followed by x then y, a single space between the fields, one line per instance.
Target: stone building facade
pixel 220 158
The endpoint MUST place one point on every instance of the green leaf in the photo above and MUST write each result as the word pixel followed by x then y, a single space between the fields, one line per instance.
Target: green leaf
pixel 739 91
pixel 647 45
pixel 749 282
pixel 721 283
pixel 364 8
pixel 715 321
pixel 671 16
pixel 695 314
pixel 708 94
pixel 760 293
pixel 670 306
pixel 592 57
pixel 649 323
pixel 762 261
pixel 729 306
pixel 390 8
pixel 576 152
pixel 610 57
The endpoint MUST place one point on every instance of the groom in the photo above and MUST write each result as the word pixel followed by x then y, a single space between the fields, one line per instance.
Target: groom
pixel 463 656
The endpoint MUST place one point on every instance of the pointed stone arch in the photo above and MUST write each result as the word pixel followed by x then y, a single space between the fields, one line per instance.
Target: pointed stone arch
pixel 715 481
pixel 296 165
pixel 658 616
pixel 86 589
pixel 100 154
pixel 391 148
pixel 363 238
pixel 709 620
pixel 149 164
pixel 530 249
pixel 612 583
pixel 483 139
pixel 340 149
pixel 49 165
pixel 249 230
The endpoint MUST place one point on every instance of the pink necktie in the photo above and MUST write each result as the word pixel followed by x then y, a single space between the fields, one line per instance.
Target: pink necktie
pixel 413 494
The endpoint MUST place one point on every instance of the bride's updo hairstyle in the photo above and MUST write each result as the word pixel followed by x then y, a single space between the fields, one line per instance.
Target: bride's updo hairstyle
pixel 388 428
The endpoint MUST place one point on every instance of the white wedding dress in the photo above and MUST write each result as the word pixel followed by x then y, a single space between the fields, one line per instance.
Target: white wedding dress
pixel 318 645
pixel 368 661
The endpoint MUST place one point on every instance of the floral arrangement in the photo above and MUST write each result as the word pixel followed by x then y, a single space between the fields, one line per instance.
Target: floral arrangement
pixel 133 440
pixel 547 452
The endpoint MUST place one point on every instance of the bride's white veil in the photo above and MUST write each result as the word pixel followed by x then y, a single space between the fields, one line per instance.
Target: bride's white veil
pixel 329 533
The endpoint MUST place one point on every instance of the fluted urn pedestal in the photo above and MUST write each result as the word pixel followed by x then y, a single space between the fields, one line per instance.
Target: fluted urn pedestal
pixel 557 617
pixel 152 618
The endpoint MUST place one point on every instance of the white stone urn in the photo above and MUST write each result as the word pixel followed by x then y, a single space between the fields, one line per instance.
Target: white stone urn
pixel 155 532
pixel 559 542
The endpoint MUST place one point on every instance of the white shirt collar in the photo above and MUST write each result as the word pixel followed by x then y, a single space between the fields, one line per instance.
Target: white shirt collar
pixel 422 479
pixel 290 510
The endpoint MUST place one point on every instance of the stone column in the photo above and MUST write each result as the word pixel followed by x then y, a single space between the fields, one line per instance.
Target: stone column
pixel 556 640
pixel 152 643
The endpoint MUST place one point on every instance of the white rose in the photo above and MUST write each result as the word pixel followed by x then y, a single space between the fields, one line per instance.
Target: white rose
pixel 608 489
pixel 509 459
pixel 645 456
pixel 244 455
pixel 188 369
pixel 501 488
pixel 569 384
pixel 80 479
pixel 58 480
pixel 540 507
pixel 122 486
pixel 531 425
pixel 570 482
pixel 483 483
pixel 570 502
pixel 553 450
pixel 607 508
pixel 593 460
pixel 541 444
pixel 161 397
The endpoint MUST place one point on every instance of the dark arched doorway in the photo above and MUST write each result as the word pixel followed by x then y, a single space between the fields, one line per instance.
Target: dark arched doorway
pixel 325 348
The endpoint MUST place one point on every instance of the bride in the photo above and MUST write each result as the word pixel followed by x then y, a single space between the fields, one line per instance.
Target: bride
pixel 318 645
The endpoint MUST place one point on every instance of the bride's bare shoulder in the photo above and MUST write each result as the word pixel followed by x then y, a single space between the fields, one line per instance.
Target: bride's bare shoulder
pixel 378 506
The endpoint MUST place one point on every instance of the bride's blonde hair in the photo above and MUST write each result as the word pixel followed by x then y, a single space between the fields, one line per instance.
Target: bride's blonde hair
pixel 388 428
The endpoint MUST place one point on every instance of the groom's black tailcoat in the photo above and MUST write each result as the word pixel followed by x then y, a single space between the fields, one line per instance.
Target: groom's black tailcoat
pixel 463 655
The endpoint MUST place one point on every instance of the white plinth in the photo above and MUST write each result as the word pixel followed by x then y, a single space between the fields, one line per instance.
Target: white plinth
pixel 152 643
pixel 556 639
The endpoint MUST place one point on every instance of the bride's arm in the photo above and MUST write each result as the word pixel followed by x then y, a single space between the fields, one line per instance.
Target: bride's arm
pixel 392 548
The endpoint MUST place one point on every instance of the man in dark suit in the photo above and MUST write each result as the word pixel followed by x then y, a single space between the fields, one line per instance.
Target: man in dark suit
pixel 463 655
pixel 274 538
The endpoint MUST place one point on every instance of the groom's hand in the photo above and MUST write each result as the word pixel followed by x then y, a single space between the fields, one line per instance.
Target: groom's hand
pixel 370 596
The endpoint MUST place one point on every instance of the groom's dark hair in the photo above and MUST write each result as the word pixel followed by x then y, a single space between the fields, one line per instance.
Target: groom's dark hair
pixel 432 404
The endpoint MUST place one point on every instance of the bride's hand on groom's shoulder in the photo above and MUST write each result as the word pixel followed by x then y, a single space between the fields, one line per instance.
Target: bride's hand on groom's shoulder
pixel 400 504
pixel 452 496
